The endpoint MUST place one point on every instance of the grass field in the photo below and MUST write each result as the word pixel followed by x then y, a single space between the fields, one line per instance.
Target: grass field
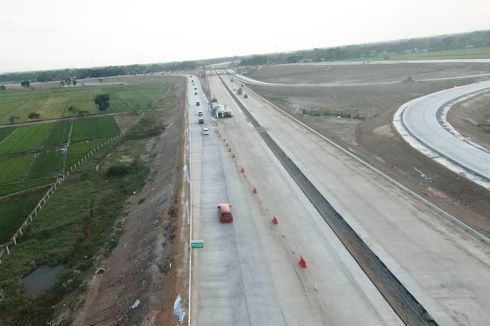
pixel 45 164
pixel 53 103
pixel 94 128
pixel 77 223
pixel 14 169
pixel 11 188
pixel 78 150
pixel 471 53
pixel 15 211
pixel 26 138
pixel 4 133
pixel 74 224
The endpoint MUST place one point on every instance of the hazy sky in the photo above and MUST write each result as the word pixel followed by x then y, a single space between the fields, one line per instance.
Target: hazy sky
pixel 47 34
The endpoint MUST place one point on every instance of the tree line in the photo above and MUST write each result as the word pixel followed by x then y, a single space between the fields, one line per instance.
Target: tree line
pixel 382 49
pixel 98 72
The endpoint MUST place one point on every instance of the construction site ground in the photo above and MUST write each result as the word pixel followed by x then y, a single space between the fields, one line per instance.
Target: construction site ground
pixel 471 118
pixel 371 135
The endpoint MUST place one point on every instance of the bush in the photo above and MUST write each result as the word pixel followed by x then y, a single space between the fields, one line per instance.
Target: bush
pixel 118 170
pixel 148 127
pixel 34 115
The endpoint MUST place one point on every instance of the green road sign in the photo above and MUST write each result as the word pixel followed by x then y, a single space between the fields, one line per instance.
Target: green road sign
pixel 197 244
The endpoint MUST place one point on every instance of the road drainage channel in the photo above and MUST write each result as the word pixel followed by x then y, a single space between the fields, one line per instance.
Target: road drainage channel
pixel 410 311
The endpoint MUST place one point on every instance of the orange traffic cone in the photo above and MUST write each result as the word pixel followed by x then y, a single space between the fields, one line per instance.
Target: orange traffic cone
pixel 275 220
pixel 242 170
pixel 302 262
pixel 254 190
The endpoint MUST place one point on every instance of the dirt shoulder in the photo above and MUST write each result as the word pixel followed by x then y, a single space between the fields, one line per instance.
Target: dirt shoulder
pixel 145 266
pixel 471 119
pixel 373 138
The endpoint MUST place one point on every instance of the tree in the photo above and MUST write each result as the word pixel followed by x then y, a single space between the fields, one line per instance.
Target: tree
pixel 2 87
pixel 25 83
pixel 293 58
pixel 74 82
pixel 102 101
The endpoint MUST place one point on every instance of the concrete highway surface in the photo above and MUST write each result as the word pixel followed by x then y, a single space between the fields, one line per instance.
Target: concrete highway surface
pixel 421 122
pixel 446 269
pixel 248 271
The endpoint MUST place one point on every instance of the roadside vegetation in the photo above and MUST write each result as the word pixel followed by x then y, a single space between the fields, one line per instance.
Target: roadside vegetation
pixel 462 53
pixel 77 223
pixel 460 46
pixel 32 156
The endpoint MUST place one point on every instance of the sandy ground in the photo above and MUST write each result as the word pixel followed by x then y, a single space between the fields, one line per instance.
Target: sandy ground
pixel 146 263
pixel 364 72
pixel 466 116
pixel 375 140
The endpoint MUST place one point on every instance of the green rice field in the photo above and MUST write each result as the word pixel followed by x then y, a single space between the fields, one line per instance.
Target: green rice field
pixel 59 102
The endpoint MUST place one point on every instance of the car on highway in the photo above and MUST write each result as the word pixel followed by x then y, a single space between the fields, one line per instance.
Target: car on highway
pixel 205 131
pixel 224 211
pixel 200 113
pixel 197 103
pixel 201 121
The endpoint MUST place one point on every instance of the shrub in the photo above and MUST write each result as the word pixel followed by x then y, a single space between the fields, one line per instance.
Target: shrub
pixel 34 115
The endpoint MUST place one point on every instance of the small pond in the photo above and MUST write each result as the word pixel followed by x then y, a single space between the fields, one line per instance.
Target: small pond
pixel 42 279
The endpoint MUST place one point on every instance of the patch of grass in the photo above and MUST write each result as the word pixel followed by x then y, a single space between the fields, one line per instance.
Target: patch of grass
pixel 341 114
pixel 58 134
pixel 70 228
pixel 54 102
pixel 26 138
pixel 147 127
pixel 78 150
pixel 4 132
pixel 11 188
pixel 471 53
pixel 14 212
pixel 93 128
pixel 14 168
pixel 46 164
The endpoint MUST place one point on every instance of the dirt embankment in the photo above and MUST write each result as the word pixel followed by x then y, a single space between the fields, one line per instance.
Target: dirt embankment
pixel 146 264
pixel 471 119
pixel 373 138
